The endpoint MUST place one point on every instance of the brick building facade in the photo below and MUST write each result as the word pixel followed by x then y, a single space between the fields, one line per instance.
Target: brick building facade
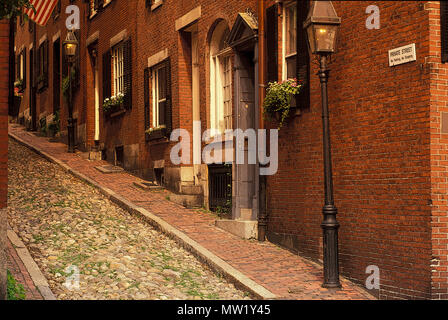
pixel 177 62
pixel 4 98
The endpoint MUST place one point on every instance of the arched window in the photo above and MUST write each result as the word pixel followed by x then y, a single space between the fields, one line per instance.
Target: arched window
pixel 220 79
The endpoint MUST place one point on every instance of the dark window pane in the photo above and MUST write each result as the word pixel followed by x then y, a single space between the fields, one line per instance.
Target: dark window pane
pixel 291 67
pixel 162 83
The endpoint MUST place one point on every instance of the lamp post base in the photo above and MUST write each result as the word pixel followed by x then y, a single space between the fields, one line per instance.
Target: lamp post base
pixel 71 136
pixel 330 228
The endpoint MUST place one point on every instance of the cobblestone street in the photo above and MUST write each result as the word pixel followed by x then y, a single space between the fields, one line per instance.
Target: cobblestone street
pixel 65 222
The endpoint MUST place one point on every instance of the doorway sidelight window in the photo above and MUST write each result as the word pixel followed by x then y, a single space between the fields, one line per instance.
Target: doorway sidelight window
pixel 220 80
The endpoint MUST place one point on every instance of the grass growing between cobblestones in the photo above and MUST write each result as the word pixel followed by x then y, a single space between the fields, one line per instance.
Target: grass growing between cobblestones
pixel 66 223
pixel 15 291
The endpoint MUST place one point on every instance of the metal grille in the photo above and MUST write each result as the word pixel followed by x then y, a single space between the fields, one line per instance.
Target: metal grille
pixel 220 188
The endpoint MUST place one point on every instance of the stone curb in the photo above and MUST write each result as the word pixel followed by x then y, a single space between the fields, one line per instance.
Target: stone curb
pixel 214 262
pixel 36 275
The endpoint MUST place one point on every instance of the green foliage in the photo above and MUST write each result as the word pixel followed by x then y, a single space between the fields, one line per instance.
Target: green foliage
pixel 55 126
pixel 11 8
pixel 19 84
pixel 66 84
pixel 15 290
pixel 278 99
pixel 113 102
pixel 43 126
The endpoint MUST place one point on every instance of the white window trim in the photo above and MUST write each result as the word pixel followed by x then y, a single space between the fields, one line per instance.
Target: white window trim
pixel 156 4
pixel 155 97
pixel 217 112
pixel 118 67
pixel 106 2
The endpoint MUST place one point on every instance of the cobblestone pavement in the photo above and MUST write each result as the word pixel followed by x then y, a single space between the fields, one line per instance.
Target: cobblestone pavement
pixel 283 273
pixel 65 222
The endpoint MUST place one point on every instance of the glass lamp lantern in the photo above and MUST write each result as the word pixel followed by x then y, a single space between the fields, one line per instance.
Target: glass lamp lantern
pixel 322 25
pixel 70 44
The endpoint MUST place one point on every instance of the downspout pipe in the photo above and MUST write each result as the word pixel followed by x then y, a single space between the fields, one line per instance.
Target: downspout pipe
pixel 262 216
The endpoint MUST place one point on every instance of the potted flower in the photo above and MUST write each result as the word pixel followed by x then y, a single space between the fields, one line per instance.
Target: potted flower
pixel 19 85
pixel 113 104
pixel 156 132
pixel 277 102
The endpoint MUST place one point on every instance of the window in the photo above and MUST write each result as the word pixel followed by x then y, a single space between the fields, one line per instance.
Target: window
pixel 21 69
pixel 42 66
pixel 117 72
pixel 118 69
pixel 220 80
pixel 290 15
pixel 159 91
pixel 227 91
pixel 296 59
pixel 157 81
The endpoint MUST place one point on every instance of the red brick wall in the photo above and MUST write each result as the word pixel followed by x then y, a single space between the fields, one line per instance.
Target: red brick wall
pixel 388 151
pixel 44 99
pixel 380 135
pixel 4 92
pixel 114 18
pixel 156 31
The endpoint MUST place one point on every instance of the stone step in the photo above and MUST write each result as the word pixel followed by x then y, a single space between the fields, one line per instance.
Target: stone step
pixel 147 185
pixel 109 169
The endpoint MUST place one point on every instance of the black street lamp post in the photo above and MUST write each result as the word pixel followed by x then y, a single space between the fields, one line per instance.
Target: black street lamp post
pixel 70 45
pixel 322 24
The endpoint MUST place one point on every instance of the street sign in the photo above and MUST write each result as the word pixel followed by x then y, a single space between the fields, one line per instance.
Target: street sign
pixel 402 55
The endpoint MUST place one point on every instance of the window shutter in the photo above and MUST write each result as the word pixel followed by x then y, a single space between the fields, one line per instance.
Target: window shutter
pixel 444 29
pixel 303 56
pixel 46 59
pixel 64 64
pixel 107 74
pixel 127 73
pixel 272 43
pixel 24 68
pixel 34 64
pixel 77 63
pixel 16 66
pixel 168 104
pixel 146 94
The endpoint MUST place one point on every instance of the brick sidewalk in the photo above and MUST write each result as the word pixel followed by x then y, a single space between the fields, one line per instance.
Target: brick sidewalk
pixel 18 270
pixel 286 275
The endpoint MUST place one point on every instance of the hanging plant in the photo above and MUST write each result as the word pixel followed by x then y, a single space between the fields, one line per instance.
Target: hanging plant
pixel 278 99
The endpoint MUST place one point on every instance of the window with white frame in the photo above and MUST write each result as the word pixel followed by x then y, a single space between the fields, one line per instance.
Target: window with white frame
pixel 290 40
pixel 118 69
pixel 220 80
pixel 226 66
pixel 159 95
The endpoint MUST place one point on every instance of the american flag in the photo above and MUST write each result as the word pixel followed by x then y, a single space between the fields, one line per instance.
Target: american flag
pixel 43 8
